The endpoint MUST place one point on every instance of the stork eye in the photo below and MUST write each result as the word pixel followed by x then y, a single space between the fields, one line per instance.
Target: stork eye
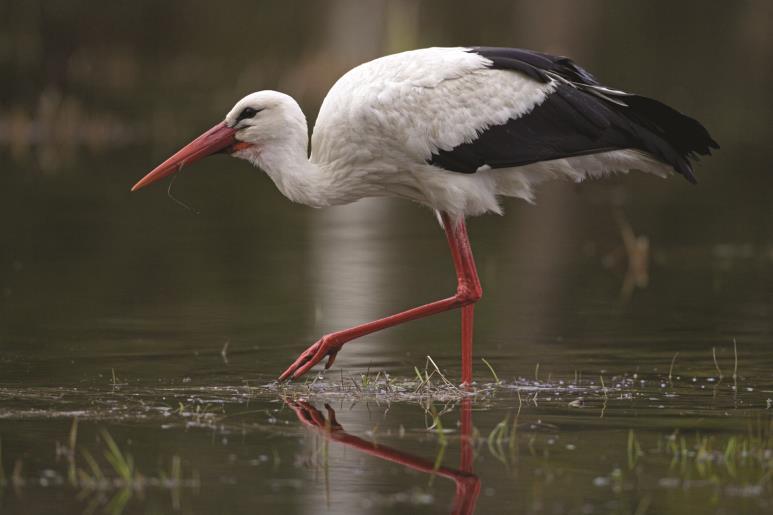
pixel 247 112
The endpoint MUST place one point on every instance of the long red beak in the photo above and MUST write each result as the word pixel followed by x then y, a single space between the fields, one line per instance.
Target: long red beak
pixel 218 138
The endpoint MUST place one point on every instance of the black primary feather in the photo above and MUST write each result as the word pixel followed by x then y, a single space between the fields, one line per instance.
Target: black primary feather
pixel 580 117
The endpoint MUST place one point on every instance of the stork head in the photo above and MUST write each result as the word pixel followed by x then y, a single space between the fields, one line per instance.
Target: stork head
pixel 259 121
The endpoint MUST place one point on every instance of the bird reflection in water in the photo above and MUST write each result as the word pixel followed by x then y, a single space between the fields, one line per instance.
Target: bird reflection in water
pixel 467 483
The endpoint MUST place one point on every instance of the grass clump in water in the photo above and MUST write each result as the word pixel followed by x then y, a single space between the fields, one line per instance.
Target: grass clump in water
pixel 108 470
pixel 735 465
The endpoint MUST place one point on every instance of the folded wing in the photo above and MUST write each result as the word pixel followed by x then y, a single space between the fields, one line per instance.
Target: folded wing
pixel 579 117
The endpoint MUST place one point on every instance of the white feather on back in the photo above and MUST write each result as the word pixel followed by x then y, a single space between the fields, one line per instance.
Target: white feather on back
pixel 417 102
pixel 383 120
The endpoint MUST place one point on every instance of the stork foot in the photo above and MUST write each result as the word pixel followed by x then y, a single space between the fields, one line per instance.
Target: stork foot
pixel 328 346
pixel 312 417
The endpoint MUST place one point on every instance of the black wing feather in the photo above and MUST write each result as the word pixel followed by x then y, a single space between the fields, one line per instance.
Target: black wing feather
pixel 580 117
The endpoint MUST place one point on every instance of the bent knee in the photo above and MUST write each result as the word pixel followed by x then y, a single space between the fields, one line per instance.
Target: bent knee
pixel 469 295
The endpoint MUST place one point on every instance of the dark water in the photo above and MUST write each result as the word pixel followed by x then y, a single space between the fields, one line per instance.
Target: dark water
pixel 128 319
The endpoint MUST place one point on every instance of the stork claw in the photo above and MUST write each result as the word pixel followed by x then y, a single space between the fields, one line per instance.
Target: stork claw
pixel 311 417
pixel 325 346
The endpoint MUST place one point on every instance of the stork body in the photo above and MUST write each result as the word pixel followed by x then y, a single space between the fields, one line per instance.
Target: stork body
pixel 454 129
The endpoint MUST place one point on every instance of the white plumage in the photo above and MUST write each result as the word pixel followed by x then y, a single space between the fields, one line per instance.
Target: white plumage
pixel 382 121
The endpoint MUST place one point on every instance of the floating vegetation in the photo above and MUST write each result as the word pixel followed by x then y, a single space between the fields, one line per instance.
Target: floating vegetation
pixel 730 465
pixel 634 450
pixel 520 424
pixel 205 406
pixel 708 456
pixel 105 476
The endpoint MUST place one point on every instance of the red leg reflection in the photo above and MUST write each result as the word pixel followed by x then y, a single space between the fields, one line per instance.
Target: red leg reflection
pixel 467 483
pixel 468 291
pixel 466 450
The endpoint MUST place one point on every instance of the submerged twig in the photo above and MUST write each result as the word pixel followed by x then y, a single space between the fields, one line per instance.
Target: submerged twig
pixel 224 351
pixel 735 360
pixel 716 365
pixel 671 368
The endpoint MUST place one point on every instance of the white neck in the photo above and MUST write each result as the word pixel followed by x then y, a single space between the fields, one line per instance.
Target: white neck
pixel 279 144
pixel 295 176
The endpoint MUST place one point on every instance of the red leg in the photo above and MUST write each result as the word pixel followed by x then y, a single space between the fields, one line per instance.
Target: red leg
pixel 467 483
pixel 468 291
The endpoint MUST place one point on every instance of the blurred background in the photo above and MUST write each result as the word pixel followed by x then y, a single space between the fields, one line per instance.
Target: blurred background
pixel 100 287
pixel 94 95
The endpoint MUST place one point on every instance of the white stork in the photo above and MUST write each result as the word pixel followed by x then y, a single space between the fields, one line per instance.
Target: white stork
pixel 453 129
